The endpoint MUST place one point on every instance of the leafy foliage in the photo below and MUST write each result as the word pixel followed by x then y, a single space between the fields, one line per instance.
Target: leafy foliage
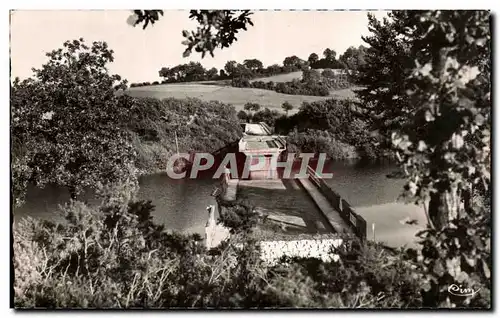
pixel 339 121
pixel 200 127
pixel 193 71
pixel 115 256
pixel 313 58
pixel 266 115
pixel 436 106
pixel 354 58
pixel 145 17
pixel 252 107
pixel 66 122
pixel 319 141
pixel 287 107
pixel 216 28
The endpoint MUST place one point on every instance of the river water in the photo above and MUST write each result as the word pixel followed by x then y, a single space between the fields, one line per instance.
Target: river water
pixel 181 204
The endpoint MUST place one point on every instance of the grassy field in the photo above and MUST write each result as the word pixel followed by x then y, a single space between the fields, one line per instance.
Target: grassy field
pixel 235 96
pixel 288 77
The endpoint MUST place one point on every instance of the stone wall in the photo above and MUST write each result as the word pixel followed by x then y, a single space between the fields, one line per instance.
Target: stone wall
pixel 272 251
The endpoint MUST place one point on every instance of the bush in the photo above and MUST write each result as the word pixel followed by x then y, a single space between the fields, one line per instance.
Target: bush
pixel 200 126
pixel 240 82
pixel 242 115
pixel 91 262
pixel 268 116
pixel 312 84
pixel 339 119
pixel 303 88
pixel 328 73
pixel 317 141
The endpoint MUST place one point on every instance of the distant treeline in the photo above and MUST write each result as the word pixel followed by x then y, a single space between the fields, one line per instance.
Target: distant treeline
pixel 331 126
pixel 312 83
pixel 351 60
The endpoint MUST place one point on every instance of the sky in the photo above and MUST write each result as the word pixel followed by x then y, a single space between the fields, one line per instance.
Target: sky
pixel 139 54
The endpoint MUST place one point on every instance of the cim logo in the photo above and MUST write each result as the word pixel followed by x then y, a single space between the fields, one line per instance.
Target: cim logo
pixel 459 291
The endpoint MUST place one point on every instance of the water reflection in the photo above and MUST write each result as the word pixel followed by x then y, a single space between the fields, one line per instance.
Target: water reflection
pixel 181 204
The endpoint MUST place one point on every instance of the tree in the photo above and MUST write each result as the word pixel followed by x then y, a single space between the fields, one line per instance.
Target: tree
pixel 212 73
pixel 216 28
pixel 164 72
pixel 287 107
pixel 273 69
pixel 292 62
pixel 66 122
pixel 230 68
pixel 253 64
pixel 243 72
pixel 242 115
pixel 388 63
pixel 313 58
pixel 328 73
pixel 252 107
pixel 194 71
pixel 354 58
pixel 311 76
pixel 329 55
pixel 438 111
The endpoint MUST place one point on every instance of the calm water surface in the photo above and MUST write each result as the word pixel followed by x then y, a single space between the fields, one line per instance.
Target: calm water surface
pixel 181 204
pixel 375 197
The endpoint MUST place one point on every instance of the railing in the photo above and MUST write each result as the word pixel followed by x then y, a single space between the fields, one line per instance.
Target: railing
pixel 345 210
pixel 266 127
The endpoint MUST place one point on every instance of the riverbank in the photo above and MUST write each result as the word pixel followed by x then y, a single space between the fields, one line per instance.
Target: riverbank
pixel 160 128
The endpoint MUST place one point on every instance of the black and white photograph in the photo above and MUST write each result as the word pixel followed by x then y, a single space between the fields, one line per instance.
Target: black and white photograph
pixel 251 159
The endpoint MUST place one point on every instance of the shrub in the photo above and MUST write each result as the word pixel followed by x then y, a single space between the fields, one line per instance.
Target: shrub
pixel 317 141
pixel 240 82
pixel 242 115
pixel 268 116
pixel 302 88
pixel 91 262
pixel 339 119
pixel 328 73
pixel 200 126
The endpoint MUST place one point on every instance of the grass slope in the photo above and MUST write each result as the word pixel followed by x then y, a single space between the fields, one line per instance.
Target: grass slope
pixel 288 77
pixel 235 96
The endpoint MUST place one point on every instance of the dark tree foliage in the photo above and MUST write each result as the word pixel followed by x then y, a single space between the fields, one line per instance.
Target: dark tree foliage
pixel 287 107
pixel 66 122
pixel 146 17
pixel 354 58
pixel 313 58
pixel 216 28
pixel 428 93
pixel 388 63
pixel 252 107
pixel 266 115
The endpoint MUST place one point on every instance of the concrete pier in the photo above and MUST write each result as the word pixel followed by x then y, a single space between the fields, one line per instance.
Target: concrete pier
pixel 300 206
